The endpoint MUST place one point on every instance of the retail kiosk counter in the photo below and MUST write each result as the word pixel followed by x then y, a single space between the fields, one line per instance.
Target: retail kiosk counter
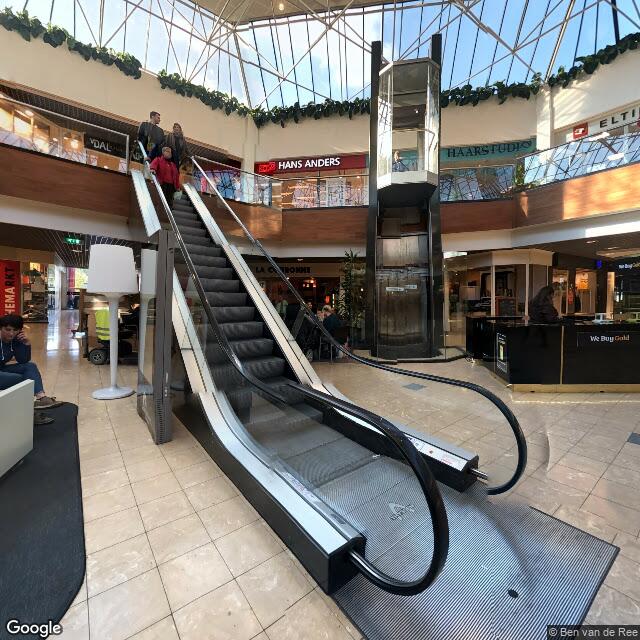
pixel 565 356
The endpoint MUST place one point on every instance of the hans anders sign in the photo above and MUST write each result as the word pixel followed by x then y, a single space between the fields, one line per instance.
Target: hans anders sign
pixel 312 164
pixel 493 151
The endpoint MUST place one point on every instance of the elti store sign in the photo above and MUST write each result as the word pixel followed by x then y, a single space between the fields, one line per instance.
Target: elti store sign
pixel 312 164
pixel 631 115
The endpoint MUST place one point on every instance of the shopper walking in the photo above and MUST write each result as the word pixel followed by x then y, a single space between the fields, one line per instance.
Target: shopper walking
pixel 151 135
pixel 180 152
pixel 167 174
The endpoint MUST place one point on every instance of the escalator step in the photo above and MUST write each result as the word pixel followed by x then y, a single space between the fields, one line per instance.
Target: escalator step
pixel 233 314
pixel 226 376
pixel 222 273
pixel 192 223
pixel 243 330
pixel 196 241
pixel 225 299
pixel 210 252
pixel 191 232
pixel 252 348
pixel 218 285
pixel 183 205
pixel 208 261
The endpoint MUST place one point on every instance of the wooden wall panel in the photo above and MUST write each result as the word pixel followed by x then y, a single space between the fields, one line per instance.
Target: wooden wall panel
pixel 488 215
pixel 325 226
pixel 263 222
pixel 43 178
pixel 609 191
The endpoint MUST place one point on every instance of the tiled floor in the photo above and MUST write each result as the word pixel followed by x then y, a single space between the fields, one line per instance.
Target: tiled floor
pixel 175 552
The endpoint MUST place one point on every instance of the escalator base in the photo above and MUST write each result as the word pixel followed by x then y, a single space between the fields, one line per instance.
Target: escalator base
pixel 511 571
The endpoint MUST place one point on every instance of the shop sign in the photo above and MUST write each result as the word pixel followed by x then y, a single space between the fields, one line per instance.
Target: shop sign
pixel 298 270
pixel 630 115
pixel 492 151
pixel 9 287
pixel 606 338
pixel 93 143
pixel 632 264
pixel 312 164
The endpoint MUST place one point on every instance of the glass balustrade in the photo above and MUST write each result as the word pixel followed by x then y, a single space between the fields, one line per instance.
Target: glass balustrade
pixel 34 129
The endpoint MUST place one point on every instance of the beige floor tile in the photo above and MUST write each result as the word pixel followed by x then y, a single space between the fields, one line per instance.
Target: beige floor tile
pixel 126 443
pixel 158 512
pixel 623 518
pixel 98 450
pixel 75 623
pixel 590 522
pixel 193 574
pixel 105 481
pixel 594 452
pixel 613 607
pixel 81 596
pixel 621 493
pixel 140 454
pixel 273 586
pixel 225 517
pixel 95 436
pixel 629 546
pixel 147 469
pixel 197 474
pixel 175 538
pixel 624 577
pixel 105 532
pixel 247 547
pixel 570 477
pixel 622 475
pixel 101 464
pixel 104 504
pixel 308 619
pixel 211 492
pixel 114 565
pixel 581 463
pixel 163 630
pixel 565 495
pixel 185 458
pixel 128 608
pixel 223 614
pixel 153 488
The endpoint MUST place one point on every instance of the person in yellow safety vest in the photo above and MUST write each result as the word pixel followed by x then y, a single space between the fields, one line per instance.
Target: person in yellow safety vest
pixel 102 325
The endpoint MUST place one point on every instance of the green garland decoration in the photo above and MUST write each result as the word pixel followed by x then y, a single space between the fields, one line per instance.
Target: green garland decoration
pixel 30 28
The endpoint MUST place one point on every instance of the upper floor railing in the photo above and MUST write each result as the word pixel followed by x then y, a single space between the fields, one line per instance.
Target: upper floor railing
pixel 577 158
pixel 35 129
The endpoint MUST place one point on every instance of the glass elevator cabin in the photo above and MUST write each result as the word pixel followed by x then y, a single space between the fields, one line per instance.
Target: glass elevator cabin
pixel 405 296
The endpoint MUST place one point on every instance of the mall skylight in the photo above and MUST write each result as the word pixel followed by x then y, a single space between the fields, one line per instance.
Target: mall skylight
pixel 270 53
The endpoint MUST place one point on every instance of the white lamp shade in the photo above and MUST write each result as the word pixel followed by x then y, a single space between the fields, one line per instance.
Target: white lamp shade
pixel 148 272
pixel 111 270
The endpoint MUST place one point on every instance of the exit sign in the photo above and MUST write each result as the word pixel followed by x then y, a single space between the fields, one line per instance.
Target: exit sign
pixel 73 240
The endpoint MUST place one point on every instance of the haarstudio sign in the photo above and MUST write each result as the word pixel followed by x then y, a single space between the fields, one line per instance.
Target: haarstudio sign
pixel 312 164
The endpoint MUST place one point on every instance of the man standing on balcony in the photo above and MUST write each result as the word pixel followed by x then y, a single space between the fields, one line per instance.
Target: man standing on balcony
pixel 151 135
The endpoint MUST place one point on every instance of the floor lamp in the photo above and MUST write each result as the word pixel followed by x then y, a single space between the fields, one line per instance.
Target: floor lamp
pixel 112 273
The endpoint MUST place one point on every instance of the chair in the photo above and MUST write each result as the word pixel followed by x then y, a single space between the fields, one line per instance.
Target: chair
pixel 16 433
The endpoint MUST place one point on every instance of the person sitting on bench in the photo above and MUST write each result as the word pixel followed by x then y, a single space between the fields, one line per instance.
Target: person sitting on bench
pixel 14 345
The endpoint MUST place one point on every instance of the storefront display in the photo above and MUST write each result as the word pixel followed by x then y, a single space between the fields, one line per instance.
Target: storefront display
pixel 35 294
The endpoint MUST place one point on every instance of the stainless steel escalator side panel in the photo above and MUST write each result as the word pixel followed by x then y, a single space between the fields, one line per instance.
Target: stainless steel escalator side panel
pixel 317 535
pixel 147 208
pixel 293 354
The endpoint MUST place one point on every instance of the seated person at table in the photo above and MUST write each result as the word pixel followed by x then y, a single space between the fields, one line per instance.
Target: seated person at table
pixel 541 307
pixel 15 346
pixel 331 321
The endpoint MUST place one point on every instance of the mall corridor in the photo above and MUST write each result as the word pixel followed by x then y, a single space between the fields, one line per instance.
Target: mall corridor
pixel 174 551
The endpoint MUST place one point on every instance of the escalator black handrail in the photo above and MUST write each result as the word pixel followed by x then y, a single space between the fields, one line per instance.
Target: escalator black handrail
pixel 408 451
pixel 521 442
pixel 213 322
pixel 428 484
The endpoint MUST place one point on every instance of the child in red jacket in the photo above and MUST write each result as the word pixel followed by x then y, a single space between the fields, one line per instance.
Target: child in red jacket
pixel 167 174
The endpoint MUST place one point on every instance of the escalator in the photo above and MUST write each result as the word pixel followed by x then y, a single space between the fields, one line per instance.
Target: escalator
pixel 353 496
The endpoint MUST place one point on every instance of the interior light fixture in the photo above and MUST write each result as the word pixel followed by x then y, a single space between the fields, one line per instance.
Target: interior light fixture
pixel 29 113
pixel 281 6
pixel 74 144
pixel 599 136
pixel 591 241
pixel 300 259
pixel 615 156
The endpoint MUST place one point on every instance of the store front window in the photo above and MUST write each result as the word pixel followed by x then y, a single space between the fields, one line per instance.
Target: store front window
pixel 38 130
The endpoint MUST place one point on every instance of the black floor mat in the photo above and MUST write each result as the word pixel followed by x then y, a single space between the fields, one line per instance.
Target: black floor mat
pixel 511 571
pixel 42 556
